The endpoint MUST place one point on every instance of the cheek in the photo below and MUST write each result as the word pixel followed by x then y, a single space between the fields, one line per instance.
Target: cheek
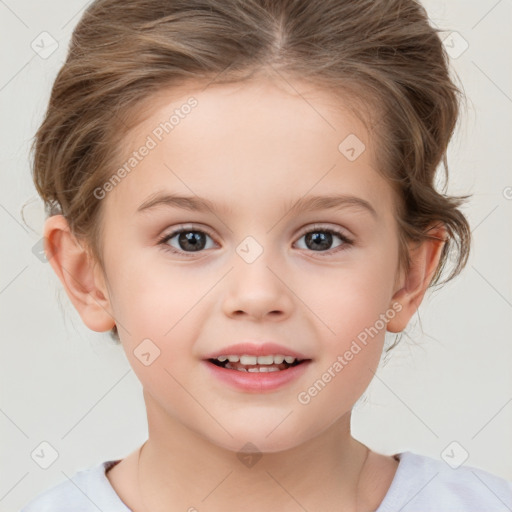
pixel 350 298
pixel 163 305
pixel 150 297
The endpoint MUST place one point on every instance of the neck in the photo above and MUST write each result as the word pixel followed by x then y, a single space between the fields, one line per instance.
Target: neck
pixel 179 470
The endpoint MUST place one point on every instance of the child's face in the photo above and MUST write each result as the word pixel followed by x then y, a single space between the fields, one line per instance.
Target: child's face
pixel 252 151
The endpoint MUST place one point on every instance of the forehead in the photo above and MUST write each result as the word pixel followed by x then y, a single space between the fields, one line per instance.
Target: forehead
pixel 235 141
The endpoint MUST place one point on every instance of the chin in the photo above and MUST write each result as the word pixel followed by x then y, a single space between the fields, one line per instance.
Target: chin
pixel 249 441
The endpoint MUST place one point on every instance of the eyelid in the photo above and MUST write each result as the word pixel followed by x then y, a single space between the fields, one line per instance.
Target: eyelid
pixel 186 227
pixel 304 230
pixel 343 232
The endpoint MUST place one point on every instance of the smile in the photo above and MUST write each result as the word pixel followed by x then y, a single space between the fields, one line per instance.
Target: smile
pixel 247 363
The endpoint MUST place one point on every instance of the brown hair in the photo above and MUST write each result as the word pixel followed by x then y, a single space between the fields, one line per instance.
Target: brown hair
pixel 383 54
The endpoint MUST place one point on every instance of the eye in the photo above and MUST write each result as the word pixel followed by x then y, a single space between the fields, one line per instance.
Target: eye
pixel 186 241
pixel 320 239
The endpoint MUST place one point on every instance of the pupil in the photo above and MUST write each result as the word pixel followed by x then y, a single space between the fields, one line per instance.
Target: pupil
pixel 191 238
pixel 320 238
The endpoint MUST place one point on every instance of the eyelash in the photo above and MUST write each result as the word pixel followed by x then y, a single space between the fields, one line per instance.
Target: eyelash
pixel 347 242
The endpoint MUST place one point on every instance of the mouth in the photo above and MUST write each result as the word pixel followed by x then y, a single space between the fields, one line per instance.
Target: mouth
pixel 260 364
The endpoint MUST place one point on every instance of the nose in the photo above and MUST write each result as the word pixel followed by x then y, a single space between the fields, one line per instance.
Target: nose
pixel 258 291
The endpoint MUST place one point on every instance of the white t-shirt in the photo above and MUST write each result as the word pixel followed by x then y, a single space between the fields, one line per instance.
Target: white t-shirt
pixel 421 484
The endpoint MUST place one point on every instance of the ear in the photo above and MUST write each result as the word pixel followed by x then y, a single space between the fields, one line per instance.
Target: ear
pixel 80 275
pixel 425 258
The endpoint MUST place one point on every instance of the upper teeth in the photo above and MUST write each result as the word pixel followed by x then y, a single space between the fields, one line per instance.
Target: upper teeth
pixel 277 359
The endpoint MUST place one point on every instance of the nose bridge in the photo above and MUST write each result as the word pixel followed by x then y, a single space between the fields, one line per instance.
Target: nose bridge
pixel 255 285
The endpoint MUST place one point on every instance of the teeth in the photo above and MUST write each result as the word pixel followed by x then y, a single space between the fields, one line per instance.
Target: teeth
pixel 265 359
pixel 257 369
pixel 252 360
pixel 248 359
pixel 263 369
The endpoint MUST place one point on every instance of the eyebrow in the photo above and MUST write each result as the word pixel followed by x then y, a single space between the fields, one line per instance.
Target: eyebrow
pixel 332 202
pixel 304 204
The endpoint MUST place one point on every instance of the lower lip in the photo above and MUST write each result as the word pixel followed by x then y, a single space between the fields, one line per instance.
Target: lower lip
pixel 257 382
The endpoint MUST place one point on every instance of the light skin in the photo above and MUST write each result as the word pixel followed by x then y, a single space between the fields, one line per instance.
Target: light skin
pixel 252 150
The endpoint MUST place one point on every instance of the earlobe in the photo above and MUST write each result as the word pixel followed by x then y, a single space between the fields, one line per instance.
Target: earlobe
pixel 424 261
pixel 79 274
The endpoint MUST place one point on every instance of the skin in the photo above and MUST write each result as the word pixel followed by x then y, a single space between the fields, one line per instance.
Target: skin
pixel 253 150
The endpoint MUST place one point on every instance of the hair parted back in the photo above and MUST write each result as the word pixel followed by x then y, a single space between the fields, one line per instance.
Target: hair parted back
pixel 381 54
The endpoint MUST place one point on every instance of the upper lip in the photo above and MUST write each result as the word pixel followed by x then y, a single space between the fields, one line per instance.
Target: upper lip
pixel 256 349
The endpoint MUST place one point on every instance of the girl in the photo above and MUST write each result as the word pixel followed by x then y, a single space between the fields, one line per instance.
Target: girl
pixel 242 192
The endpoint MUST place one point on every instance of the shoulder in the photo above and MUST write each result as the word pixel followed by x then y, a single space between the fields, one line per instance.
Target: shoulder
pixel 430 485
pixel 87 491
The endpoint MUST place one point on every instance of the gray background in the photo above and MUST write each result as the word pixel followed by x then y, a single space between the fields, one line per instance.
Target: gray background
pixel 72 388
